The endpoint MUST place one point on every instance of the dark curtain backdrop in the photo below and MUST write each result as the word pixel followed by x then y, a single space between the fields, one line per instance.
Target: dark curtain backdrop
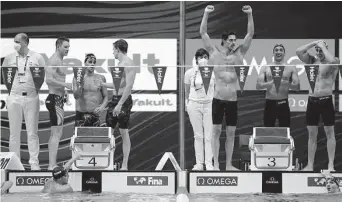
pixel 273 20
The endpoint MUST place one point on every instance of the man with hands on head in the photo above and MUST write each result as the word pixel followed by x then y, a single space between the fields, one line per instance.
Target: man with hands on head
pixel 320 102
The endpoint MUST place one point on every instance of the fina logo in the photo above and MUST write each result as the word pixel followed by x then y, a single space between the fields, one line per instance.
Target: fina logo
pixel 272 180
pixel 92 180
pixel 147 180
pixel 321 181
pixel 140 181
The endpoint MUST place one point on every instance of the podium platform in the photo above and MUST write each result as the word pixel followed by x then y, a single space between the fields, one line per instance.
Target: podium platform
pixel 271 149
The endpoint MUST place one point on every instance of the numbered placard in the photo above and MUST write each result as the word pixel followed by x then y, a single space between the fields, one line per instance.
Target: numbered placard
pixel 93 162
pixel 272 162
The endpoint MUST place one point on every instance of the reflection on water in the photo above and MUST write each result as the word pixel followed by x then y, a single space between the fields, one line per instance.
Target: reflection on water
pixel 81 197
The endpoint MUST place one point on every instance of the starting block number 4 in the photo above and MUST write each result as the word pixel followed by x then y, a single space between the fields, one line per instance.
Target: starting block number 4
pixel 272 162
pixel 93 161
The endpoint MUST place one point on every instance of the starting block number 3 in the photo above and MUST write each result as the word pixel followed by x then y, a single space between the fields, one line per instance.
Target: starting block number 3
pixel 272 162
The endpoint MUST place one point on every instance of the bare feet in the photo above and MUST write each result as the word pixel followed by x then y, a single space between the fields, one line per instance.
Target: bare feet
pixel 331 168
pixel 216 165
pixel 232 168
pixel 123 168
pixel 308 168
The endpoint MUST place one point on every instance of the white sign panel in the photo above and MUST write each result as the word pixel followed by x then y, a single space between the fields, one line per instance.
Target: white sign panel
pixel 299 102
pixel 141 103
pixel 144 52
pixel 34 181
pixel 154 102
pixel 300 183
pixel 139 182
pixel 210 182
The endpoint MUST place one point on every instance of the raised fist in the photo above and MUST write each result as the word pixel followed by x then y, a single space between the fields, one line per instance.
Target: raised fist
pixel 247 9
pixel 209 9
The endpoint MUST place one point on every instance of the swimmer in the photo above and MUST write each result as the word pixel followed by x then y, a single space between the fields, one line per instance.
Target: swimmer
pixel 320 102
pixel 225 95
pixel 59 181
pixel 332 184
pixel 5 186
pixel 277 104
pixel 55 80
pixel 91 99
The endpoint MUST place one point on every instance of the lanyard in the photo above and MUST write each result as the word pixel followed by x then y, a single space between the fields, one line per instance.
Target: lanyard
pixel 25 62
pixel 196 89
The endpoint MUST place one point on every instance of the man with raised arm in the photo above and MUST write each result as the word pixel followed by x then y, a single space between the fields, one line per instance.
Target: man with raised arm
pixel 225 96
pixel 60 177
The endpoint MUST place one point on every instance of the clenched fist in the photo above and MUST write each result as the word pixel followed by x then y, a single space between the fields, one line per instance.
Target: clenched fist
pixel 209 9
pixel 247 9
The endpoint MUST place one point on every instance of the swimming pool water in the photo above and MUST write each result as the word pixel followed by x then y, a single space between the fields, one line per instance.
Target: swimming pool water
pixel 104 197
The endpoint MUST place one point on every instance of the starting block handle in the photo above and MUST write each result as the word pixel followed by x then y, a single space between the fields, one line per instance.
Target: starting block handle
pixel 87 154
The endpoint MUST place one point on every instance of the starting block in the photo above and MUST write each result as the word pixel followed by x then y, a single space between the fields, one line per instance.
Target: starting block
pixel 96 146
pixel 271 149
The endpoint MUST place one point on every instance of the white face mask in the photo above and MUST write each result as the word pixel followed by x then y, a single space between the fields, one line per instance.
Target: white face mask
pixel 202 62
pixel 17 46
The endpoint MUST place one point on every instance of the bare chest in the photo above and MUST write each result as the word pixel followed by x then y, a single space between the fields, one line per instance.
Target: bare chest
pixel 92 84
pixel 219 58
pixel 325 71
pixel 286 73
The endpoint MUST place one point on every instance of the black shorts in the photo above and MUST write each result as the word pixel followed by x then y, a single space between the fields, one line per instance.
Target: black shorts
pixel 55 103
pixel 87 119
pixel 226 108
pixel 318 106
pixel 277 109
pixel 123 117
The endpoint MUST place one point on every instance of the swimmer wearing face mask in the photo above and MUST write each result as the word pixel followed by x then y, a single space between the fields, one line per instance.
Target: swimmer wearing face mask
pixel 199 108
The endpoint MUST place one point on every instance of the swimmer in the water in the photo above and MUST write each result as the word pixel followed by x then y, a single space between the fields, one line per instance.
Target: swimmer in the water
pixel 332 184
pixel 5 186
pixel 59 182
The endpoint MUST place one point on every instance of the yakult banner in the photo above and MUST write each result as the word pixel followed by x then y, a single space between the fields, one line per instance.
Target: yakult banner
pixel 141 103
pixel 261 53
pixel 144 52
